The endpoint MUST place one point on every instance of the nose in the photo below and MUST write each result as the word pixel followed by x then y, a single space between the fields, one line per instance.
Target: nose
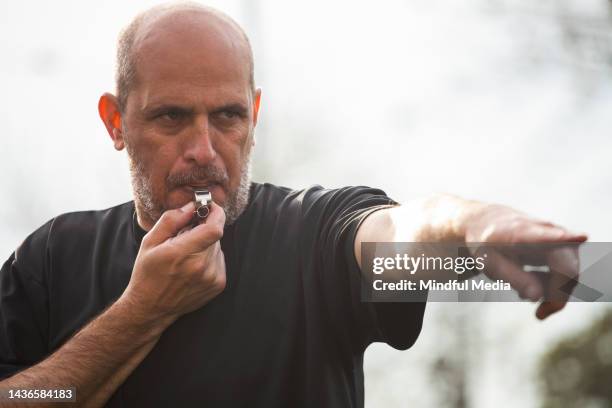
pixel 200 147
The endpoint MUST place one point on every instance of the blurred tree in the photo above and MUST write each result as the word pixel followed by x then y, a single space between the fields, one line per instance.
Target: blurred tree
pixel 449 369
pixel 588 38
pixel 572 34
pixel 577 372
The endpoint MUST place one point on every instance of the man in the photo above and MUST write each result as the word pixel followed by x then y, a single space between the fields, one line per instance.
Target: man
pixel 258 306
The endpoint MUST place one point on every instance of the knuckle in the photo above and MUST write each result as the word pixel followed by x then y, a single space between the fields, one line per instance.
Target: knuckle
pixel 169 218
pixel 517 224
pixel 515 237
pixel 216 232
pixel 488 233
pixel 208 278
pixel 573 273
pixel 146 240
pixel 222 216
pixel 199 265
pixel 220 282
pixel 165 217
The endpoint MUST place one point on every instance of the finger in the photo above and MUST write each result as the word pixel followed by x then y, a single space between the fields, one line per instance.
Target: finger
pixel 169 224
pixel 548 307
pixel 526 284
pixel 547 232
pixel 564 270
pixel 203 235
pixel 564 264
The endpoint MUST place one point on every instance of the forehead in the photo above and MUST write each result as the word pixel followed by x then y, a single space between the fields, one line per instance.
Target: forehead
pixel 187 52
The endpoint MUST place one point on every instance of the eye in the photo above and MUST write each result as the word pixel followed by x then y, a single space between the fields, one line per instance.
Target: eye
pixel 229 114
pixel 172 115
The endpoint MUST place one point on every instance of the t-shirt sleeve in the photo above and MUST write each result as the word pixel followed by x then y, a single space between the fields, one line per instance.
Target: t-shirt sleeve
pixel 338 215
pixel 23 305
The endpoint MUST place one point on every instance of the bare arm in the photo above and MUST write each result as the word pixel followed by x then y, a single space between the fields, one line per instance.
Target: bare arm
pixel 446 218
pixel 435 219
pixel 174 273
pixel 105 351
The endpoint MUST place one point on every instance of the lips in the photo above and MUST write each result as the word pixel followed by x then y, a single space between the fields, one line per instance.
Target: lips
pixel 200 186
pixel 215 189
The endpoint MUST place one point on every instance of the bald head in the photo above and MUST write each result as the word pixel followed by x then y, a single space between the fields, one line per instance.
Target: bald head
pixel 164 32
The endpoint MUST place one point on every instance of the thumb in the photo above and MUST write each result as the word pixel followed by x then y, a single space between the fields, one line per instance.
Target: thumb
pixel 169 224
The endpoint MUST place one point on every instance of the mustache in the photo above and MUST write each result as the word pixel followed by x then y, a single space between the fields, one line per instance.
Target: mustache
pixel 208 174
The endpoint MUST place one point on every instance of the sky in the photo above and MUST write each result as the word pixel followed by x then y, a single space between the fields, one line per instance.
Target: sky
pixel 476 98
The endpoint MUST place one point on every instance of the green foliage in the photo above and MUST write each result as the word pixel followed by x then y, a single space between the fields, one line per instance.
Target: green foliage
pixel 577 372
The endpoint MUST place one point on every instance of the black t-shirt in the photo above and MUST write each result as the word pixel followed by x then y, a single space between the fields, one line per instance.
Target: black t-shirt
pixel 289 329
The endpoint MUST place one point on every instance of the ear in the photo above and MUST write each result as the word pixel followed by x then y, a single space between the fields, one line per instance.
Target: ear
pixel 256 102
pixel 108 108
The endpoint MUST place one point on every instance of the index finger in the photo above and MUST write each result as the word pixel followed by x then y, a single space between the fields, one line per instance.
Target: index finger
pixel 564 266
pixel 548 232
pixel 168 225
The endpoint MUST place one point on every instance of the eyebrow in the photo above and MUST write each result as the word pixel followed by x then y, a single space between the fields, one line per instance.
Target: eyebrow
pixel 160 109
pixel 233 107
pixel 163 108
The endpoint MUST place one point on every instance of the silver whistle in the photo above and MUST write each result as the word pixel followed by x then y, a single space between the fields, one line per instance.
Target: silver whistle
pixel 203 198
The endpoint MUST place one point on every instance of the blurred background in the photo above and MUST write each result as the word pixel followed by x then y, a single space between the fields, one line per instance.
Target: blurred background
pixel 498 100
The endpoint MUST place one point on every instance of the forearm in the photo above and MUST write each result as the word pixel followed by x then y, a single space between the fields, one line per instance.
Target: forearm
pixel 105 391
pixel 97 359
pixel 440 218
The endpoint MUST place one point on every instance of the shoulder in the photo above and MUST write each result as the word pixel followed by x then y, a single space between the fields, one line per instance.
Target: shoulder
pixel 314 194
pixel 265 192
pixel 66 230
pixel 74 223
pixel 314 204
pixel 72 226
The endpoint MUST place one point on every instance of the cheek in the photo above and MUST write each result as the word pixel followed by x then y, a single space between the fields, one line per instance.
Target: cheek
pixel 161 162
pixel 233 153
pixel 157 158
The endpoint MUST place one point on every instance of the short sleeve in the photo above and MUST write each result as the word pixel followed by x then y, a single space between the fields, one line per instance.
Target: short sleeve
pixel 338 215
pixel 23 305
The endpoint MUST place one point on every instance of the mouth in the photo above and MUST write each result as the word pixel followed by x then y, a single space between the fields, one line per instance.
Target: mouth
pixel 215 189
pixel 201 186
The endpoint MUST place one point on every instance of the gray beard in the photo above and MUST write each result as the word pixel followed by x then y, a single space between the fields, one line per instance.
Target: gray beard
pixel 236 201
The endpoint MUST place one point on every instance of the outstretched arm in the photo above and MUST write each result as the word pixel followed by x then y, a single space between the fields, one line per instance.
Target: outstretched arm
pixel 446 218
